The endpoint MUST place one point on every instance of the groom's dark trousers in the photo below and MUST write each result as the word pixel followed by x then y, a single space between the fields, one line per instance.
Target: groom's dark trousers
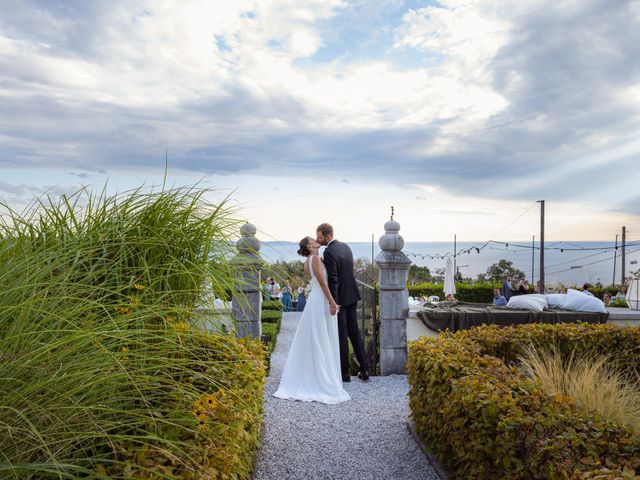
pixel 348 329
pixel 338 259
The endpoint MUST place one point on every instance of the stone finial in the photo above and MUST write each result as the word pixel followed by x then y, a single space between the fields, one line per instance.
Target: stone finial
pixel 248 243
pixel 391 241
pixel 246 298
pixel 394 299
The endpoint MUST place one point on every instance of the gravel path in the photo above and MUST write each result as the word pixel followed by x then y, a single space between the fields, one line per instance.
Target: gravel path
pixel 365 438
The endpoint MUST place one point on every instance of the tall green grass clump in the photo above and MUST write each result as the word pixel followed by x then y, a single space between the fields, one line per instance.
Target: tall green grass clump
pixel 105 372
pixel 589 380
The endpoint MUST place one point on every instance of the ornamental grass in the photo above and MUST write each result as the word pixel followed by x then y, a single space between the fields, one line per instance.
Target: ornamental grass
pixel 590 380
pixel 105 372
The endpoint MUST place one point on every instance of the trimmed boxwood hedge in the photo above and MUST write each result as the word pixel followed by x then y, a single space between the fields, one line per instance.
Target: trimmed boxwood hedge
pixel 271 316
pixel 621 344
pixel 272 305
pixel 482 292
pixel 271 322
pixel 483 418
pixel 229 436
pixel 477 293
pixel 270 333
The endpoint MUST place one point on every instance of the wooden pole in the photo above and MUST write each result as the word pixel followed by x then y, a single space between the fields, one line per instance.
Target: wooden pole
pixel 623 267
pixel 533 255
pixel 615 254
pixel 541 246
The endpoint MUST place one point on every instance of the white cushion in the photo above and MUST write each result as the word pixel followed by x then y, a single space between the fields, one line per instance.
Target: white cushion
pixel 581 302
pixel 556 300
pixel 534 302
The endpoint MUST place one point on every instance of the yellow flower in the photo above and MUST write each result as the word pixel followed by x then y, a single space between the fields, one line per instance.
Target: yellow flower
pixel 181 327
pixel 125 349
pixel 205 407
pixel 133 301
pixel 169 319
pixel 139 286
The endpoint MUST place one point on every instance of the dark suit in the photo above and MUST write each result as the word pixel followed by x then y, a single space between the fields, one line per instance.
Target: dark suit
pixel 341 280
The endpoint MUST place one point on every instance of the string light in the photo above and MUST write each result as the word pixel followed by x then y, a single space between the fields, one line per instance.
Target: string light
pixel 521 247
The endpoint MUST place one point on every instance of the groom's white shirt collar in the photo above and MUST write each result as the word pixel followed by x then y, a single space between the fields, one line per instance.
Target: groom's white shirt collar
pixel 332 240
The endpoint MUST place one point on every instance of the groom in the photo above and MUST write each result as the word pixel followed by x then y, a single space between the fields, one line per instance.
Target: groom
pixel 338 261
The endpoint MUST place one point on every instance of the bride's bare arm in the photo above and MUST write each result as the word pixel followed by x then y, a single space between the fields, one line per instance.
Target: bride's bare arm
pixel 317 270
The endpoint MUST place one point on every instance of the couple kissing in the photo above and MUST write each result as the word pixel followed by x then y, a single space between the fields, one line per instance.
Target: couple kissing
pixel 318 361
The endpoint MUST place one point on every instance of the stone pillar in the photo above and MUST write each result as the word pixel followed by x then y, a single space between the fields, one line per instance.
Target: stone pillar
pixel 394 300
pixel 246 301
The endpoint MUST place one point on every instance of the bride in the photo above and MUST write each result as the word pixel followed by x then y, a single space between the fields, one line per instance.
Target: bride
pixel 312 370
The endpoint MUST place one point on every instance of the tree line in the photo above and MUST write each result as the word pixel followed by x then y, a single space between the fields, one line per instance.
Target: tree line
pixel 293 271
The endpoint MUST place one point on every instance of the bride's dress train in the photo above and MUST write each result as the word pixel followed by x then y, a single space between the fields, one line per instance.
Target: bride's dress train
pixel 312 370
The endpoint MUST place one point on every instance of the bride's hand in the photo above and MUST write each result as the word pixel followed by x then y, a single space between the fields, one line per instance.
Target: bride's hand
pixel 334 307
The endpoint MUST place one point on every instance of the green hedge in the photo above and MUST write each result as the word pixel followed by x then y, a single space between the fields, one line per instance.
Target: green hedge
pixel 271 316
pixel 477 293
pixel 270 337
pixel 272 305
pixel 482 292
pixel 599 291
pixel 483 418
pixel 230 416
pixel 622 344
pixel 270 333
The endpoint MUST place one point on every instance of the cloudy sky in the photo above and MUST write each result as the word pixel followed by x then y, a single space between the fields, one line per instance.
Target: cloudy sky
pixel 459 113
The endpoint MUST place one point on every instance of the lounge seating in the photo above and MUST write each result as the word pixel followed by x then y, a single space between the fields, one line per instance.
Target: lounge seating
pixel 464 315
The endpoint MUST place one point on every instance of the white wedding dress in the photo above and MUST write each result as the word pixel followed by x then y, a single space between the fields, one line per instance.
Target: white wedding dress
pixel 312 370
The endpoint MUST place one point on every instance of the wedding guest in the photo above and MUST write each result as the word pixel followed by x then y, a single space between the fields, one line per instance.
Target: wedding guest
pixel 266 290
pixel 522 288
pixel 302 298
pixel 286 297
pixel 622 294
pixel 275 289
pixel 451 298
pixel 586 287
pixel 606 298
pixel 498 299
pixel 507 288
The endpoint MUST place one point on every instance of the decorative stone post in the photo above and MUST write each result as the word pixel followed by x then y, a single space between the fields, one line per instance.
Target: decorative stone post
pixel 246 301
pixel 394 300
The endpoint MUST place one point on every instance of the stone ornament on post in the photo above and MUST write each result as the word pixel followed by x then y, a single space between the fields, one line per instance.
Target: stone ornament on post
pixel 394 300
pixel 246 300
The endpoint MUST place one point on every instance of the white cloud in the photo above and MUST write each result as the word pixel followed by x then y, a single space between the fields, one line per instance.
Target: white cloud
pixel 159 55
pixel 513 97
pixel 466 31
pixel 428 188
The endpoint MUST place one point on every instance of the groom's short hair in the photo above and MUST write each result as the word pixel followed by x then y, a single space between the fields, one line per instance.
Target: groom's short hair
pixel 325 229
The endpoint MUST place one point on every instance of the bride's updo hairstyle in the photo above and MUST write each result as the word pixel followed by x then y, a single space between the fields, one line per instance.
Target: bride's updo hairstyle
pixel 305 249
